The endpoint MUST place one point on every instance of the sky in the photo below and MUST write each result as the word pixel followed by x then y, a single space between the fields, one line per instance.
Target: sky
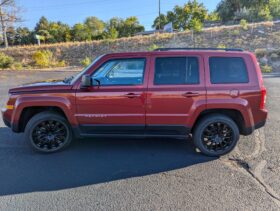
pixel 75 11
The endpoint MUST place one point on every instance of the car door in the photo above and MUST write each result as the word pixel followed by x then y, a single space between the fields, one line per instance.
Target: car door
pixel 116 103
pixel 176 93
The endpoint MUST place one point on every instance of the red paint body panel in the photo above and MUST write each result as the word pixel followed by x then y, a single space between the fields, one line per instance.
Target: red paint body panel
pixel 167 105
pixel 154 104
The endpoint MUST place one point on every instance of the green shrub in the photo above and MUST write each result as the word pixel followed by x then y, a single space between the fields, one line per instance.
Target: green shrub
pixel 61 63
pixel 5 61
pixel 221 45
pixel 152 47
pixel 86 62
pixel 266 69
pixel 43 58
pixel 236 32
pixel 244 24
pixel 17 66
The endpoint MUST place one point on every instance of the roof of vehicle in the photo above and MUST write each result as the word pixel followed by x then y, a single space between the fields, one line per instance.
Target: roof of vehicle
pixel 180 50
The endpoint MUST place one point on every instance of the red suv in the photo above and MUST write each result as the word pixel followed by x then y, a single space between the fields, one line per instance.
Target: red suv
pixel 213 94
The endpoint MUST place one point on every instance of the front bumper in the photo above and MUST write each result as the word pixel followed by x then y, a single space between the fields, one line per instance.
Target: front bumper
pixel 5 119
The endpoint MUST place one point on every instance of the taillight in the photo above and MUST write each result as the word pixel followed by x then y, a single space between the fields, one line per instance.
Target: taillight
pixel 263 98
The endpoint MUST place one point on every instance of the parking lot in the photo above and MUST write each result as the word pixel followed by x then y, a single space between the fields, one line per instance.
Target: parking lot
pixel 140 174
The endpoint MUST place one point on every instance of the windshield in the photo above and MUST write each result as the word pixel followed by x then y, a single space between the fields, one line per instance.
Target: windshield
pixel 76 77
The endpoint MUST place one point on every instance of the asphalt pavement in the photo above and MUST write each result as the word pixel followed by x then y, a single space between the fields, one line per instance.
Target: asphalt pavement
pixel 140 174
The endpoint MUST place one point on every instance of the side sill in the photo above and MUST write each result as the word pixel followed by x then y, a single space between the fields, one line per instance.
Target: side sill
pixel 130 133
pixel 130 136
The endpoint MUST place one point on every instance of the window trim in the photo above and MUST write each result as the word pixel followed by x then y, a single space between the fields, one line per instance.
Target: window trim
pixel 227 83
pixel 120 59
pixel 172 57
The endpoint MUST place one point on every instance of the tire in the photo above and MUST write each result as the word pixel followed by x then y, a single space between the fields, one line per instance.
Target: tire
pixel 48 132
pixel 216 135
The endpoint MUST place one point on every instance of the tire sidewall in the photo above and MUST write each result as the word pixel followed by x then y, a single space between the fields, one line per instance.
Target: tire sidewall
pixel 204 123
pixel 44 116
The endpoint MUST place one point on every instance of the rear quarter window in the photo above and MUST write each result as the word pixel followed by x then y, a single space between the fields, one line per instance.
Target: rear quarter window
pixel 227 70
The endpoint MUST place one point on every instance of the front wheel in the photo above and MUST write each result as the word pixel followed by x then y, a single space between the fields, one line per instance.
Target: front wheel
pixel 48 132
pixel 216 135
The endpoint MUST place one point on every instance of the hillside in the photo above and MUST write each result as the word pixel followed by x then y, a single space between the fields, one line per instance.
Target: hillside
pixel 262 38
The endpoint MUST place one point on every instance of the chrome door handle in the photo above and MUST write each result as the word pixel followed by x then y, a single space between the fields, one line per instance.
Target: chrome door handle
pixel 191 94
pixel 132 95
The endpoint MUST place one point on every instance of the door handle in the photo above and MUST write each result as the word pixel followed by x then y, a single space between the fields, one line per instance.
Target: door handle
pixel 234 93
pixel 190 94
pixel 132 95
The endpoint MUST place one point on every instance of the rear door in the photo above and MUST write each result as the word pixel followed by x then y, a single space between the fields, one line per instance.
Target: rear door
pixel 176 93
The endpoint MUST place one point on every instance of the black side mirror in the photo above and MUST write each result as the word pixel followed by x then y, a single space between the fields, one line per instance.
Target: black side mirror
pixel 95 82
pixel 86 81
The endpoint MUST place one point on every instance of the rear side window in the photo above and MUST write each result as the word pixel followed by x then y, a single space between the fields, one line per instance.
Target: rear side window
pixel 176 71
pixel 225 70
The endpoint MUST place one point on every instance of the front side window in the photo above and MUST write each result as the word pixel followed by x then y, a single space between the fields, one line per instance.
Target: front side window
pixel 225 70
pixel 121 72
pixel 176 71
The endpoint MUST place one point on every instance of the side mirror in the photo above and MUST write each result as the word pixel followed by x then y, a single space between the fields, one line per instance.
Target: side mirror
pixel 86 81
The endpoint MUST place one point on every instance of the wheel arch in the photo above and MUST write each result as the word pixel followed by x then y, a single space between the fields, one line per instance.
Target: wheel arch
pixel 234 114
pixel 28 112
pixel 28 106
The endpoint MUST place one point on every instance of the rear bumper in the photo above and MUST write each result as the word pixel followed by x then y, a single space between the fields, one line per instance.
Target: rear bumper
pixel 250 130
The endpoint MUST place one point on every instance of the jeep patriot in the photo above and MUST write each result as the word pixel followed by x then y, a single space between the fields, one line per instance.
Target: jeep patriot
pixel 214 95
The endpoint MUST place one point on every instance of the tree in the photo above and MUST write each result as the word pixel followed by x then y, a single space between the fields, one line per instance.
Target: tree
pixel 42 29
pixel 59 32
pixel 213 16
pixel 160 21
pixel 250 10
pixel 111 28
pixel 274 6
pixel 80 32
pixel 11 35
pixel 96 27
pixel 42 25
pixel 189 16
pixel 227 8
pixel 8 16
pixel 117 27
pixel 23 36
pixel 129 27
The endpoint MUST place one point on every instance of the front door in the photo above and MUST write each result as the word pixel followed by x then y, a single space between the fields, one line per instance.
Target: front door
pixel 176 92
pixel 116 103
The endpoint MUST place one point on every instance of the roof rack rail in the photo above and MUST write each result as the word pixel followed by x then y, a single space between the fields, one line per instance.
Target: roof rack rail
pixel 200 49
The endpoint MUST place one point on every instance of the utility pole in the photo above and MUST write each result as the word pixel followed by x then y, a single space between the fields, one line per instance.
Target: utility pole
pixel 159 13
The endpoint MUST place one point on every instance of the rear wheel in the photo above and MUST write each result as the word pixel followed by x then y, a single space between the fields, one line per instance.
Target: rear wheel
pixel 48 132
pixel 216 135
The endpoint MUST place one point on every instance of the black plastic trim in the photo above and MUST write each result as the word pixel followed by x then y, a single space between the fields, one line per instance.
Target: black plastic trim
pixel 249 130
pixel 6 122
pixel 200 49
pixel 131 130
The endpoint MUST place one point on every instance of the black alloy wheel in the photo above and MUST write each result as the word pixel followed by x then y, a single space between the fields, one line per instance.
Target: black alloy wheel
pixel 216 135
pixel 48 132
